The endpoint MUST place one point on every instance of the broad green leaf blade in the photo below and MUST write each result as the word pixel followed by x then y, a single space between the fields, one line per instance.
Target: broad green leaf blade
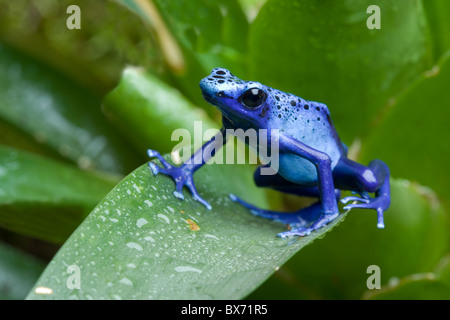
pixel 415 238
pixel 323 51
pixel 18 273
pixel 143 243
pixel 413 137
pixel 196 36
pixel 46 199
pixel 12 136
pixel 60 114
pixel 147 111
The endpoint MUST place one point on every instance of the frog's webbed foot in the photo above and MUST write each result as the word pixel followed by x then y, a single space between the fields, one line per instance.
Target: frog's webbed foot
pixel 380 204
pixel 182 176
pixel 322 221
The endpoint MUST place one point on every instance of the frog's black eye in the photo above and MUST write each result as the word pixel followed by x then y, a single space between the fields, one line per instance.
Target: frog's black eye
pixel 253 97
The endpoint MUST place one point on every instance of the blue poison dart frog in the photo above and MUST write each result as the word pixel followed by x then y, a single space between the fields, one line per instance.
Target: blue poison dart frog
pixel 312 159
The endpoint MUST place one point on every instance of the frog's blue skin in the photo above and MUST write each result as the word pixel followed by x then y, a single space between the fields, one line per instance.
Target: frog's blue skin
pixel 312 161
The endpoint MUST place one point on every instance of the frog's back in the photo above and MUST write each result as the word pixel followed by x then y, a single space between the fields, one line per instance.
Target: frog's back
pixel 310 123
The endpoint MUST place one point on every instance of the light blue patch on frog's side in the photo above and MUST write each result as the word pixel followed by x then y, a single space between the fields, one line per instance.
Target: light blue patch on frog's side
pixel 297 169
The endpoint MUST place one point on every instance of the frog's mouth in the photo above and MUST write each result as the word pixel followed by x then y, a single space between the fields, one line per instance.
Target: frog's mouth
pixel 213 98
pixel 208 99
pixel 217 103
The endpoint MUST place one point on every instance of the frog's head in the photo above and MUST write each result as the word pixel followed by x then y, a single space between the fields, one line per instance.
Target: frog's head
pixel 244 103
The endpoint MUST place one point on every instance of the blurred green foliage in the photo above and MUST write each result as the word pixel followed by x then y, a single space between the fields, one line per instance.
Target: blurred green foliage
pixel 75 118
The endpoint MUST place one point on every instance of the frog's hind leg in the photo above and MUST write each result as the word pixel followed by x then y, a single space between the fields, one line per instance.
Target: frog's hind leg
pixel 297 219
pixel 301 218
pixel 350 175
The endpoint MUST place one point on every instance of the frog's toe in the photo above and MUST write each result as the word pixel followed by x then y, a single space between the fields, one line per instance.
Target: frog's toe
pixel 152 153
pixel 202 201
pixel 364 205
pixel 321 221
pixel 155 154
pixel 380 214
pixel 178 195
pixel 360 199
pixel 297 232
pixel 182 176
pixel 190 184
pixel 153 168
pixel 362 194
pixel 380 204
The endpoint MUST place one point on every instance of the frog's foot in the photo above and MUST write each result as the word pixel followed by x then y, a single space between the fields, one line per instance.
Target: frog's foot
pixel 380 204
pixel 362 194
pixel 182 176
pixel 301 218
pixel 322 221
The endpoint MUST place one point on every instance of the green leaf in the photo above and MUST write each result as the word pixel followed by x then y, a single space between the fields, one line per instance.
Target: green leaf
pixel 196 36
pixel 415 238
pixel 12 136
pixel 110 38
pixel 210 32
pixel 46 199
pixel 251 7
pixel 437 13
pixel 18 273
pixel 423 286
pixel 60 114
pixel 413 136
pixel 147 111
pixel 414 287
pixel 143 243
pixel 323 51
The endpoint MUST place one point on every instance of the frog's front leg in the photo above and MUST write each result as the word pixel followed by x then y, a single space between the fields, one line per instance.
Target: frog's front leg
pixel 322 162
pixel 183 175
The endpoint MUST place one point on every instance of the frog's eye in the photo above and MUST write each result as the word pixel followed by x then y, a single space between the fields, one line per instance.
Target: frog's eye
pixel 253 97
